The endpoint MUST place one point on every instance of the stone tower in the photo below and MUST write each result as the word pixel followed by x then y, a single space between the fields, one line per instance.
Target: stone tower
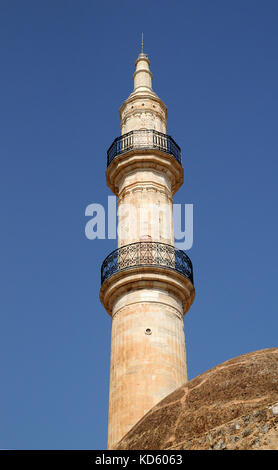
pixel 147 285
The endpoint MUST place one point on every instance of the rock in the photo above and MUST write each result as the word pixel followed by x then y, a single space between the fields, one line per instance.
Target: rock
pixel 219 402
pixel 261 415
pixel 274 409
pixel 255 441
pixel 246 432
pixel 246 419
pixel 220 445
pixel 264 428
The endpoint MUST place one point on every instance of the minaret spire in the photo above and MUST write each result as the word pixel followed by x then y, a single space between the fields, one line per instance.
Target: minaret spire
pixel 143 109
pixel 142 76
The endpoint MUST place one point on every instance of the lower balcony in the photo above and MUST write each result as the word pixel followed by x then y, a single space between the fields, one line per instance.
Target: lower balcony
pixel 146 254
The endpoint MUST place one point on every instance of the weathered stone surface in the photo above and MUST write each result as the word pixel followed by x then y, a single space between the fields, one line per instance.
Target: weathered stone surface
pixel 232 406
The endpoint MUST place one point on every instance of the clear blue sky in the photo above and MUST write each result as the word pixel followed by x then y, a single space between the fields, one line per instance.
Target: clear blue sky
pixel 66 67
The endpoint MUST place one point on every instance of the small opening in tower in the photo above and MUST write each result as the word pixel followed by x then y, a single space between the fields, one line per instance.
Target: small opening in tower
pixel 143 104
pixel 148 331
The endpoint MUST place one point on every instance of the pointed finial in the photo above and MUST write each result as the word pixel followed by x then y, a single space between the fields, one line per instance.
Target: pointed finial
pixel 142 44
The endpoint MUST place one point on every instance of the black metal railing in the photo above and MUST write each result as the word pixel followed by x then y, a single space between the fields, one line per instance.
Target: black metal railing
pixel 146 254
pixel 143 139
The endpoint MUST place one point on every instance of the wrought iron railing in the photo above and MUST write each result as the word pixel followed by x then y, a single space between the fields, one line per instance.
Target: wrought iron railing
pixel 143 139
pixel 146 254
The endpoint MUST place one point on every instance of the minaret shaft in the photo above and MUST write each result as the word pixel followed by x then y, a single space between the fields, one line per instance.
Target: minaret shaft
pixel 147 291
pixel 145 208
pixel 144 367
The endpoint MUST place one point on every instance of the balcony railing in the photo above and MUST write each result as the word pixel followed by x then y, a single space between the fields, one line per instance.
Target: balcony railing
pixel 143 139
pixel 146 254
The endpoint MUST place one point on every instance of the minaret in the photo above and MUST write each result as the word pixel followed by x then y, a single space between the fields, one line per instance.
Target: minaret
pixel 147 285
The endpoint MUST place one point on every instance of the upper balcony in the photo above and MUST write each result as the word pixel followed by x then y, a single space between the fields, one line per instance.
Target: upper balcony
pixel 144 139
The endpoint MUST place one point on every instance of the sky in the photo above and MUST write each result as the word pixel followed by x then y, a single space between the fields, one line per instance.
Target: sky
pixel 66 68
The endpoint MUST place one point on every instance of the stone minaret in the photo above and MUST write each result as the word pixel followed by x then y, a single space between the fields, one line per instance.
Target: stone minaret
pixel 147 285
